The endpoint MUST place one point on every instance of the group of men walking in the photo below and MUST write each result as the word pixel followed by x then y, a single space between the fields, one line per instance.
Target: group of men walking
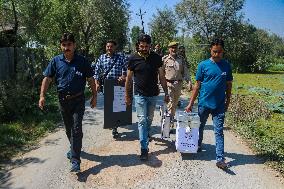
pixel 144 70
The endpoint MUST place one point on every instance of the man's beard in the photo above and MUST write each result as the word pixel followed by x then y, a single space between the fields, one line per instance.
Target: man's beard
pixel 144 52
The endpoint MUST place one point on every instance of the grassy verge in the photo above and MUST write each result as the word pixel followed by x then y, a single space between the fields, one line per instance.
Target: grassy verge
pixel 17 135
pixel 257 113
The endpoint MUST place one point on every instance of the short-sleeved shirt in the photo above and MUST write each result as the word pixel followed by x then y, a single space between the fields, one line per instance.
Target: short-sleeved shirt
pixel 175 68
pixel 70 77
pixel 145 73
pixel 105 63
pixel 213 77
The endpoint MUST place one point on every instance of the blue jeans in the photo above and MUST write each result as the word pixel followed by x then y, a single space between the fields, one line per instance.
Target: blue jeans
pixel 145 107
pixel 218 117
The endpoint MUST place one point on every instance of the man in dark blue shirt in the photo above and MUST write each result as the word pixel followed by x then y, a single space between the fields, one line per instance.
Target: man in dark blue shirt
pixel 70 71
pixel 213 84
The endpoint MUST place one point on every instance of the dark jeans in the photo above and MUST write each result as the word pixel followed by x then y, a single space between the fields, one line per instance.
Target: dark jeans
pixel 218 116
pixel 72 112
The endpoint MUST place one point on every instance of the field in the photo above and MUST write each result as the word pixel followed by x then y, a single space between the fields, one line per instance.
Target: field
pixel 257 113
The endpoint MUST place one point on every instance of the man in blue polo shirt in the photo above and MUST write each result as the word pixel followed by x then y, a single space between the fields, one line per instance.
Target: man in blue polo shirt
pixel 213 84
pixel 70 71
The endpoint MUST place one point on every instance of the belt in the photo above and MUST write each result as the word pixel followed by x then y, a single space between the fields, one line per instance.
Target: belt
pixel 173 81
pixel 69 96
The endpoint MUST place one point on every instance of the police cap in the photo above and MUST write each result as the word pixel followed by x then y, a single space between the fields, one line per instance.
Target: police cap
pixel 173 43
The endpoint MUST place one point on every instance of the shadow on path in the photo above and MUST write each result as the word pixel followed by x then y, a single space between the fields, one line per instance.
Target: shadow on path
pixel 126 160
pixel 208 154
pixel 6 175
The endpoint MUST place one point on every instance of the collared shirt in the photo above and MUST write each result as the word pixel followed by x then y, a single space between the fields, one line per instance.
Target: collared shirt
pixel 213 77
pixel 143 55
pixel 70 77
pixel 105 62
pixel 175 68
pixel 145 73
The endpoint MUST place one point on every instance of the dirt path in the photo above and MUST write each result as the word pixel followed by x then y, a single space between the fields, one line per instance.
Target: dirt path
pixel 109 163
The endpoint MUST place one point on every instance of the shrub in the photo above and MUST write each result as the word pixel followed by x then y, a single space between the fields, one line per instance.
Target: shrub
pixel 253 119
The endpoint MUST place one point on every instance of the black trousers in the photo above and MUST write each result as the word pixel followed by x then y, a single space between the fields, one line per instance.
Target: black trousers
pixel 72 112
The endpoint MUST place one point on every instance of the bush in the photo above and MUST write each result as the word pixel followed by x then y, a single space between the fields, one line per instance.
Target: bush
pixel 17 100
pixel 277 67
pixel 253 119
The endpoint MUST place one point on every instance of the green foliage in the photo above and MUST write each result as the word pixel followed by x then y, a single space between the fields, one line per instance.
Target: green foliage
pixel 256 112
pixel 92 21
pixel 39 25
pixel 248 109
pixel 22 122
pixel 163 27
pixel 210 18
pixel 135 32
pixel 19 100
pixel 195 52
pixel 15 136
pixel 248 49
pixel 277 66
pixel 253 120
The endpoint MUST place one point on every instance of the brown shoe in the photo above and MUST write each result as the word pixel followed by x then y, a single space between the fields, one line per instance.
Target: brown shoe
pixel 222 165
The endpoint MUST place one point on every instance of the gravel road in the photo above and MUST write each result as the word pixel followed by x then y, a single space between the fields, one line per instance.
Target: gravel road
pixel 109 163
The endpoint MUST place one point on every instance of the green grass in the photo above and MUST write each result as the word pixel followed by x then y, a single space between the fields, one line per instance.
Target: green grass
pixel 257 113
pixel 18 135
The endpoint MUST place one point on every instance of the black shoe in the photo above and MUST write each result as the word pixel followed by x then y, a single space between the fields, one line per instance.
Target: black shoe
pixel 114 133
pixel 222 165
pixel 144 155
pixel 75 167
pixel 69 155
pixel 150 138
pixel 199 149
pixel 172 131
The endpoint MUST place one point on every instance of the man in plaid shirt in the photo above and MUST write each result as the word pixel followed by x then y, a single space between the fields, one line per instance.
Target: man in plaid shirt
pixel 113 63
pixel 106 61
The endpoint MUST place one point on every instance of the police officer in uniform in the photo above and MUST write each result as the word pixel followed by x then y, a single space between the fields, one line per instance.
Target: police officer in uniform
pixel 70 72
pixel 176 71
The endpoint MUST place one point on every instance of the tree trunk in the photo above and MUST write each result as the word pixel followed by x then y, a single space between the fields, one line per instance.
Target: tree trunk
pixel 15 37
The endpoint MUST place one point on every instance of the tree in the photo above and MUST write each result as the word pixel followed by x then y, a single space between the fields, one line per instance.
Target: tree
pixel 112 21
pixel 250 49
pixel 210 18
pixel 92 21
pixel 135 32
pixel 247 47
pixel 163 27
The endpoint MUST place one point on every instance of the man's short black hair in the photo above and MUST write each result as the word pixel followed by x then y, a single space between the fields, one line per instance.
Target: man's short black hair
pixel 112 41
pixel 144 38
pixel 67 37
pixel 217 41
